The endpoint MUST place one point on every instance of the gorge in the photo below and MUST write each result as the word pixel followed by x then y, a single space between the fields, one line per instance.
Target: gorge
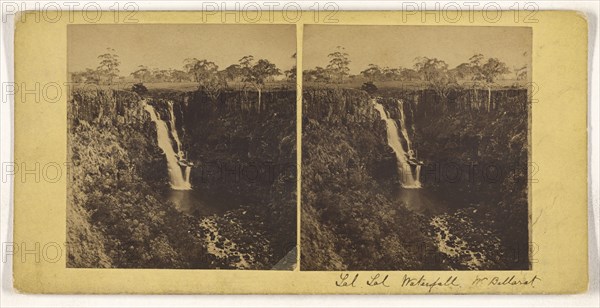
pixel 372 203
pixel 141 195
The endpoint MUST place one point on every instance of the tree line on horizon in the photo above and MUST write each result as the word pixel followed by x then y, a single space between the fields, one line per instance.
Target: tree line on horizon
pixel 478 72
pixel 477 69
pixel 203 71
pixel 249 72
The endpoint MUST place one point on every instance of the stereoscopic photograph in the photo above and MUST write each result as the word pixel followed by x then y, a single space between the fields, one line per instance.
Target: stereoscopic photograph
pixel 415 147
pixel 183 145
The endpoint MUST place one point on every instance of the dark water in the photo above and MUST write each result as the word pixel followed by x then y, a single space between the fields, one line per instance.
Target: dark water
pixel 423 201
pixel 202 203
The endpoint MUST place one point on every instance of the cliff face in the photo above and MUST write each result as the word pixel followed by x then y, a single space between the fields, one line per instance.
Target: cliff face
pixel 119 213
pixel 247 154
pixel 352 209
pixel 115 214
pixel 348 218
pixel 476 159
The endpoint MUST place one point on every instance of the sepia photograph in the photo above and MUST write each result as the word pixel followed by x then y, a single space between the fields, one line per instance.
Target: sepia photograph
pixel 183 145
pixel 415 147
pixel 300 151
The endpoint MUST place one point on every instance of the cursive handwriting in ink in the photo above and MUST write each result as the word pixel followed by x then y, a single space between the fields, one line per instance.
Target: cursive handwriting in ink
pixel 408 281
pixel 346 281
pixel 377 280
pixel 505 281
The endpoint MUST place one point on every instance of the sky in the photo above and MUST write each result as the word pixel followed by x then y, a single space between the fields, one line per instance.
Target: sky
pixel 398 46
pixel 166 46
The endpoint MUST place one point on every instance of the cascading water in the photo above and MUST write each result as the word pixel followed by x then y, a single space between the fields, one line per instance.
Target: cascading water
pixel 180 180
pixel 411 153
pixel 407 178
pixel 173 128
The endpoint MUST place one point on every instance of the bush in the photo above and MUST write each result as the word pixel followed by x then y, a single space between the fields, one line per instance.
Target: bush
pixel 139 88
pixel 369 87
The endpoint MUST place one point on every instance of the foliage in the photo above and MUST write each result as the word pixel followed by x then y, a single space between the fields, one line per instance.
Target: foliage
pixel 233 137
pixel 477 142
pixel 116 215
pixel 348 221
pixel 233 72
pixel 338 64
pixel 139 88
pixel 142 73
pixel 257 72
pixel 206 73
pixel 109 65
pixel 318 74
pixel 88 76
pixel 369 87
pixel 291 74
pixel 436 73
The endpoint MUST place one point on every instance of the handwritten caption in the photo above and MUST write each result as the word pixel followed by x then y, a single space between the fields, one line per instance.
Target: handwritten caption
pixel 432 283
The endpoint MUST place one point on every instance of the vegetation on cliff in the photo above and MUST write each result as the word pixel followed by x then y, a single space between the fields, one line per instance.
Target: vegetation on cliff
pixel 118 212
pixel 116 216
pixel 352 217
pixel 348 218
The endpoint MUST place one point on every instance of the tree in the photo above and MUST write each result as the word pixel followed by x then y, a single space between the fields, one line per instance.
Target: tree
pixel 179 76
pixel 521 72
pixel 233 72
pixel 209 79
pixel 391 73
pixel 409 74
pixel 291 74
pixel 160 75
pixel 436 73
pixel 475 66
pixel 492 69
pixel 142 73
pixel 109 65
pixel 372 73
pixel 338 63
pixel 256 73
pixel 318 74
pixel 246 63
pixel 188 67
pixel 87 76
pixel 463 71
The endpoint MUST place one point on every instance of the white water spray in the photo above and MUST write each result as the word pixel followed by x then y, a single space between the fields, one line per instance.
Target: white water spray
pixel 180 179
pixel 174 128
pixel 407 178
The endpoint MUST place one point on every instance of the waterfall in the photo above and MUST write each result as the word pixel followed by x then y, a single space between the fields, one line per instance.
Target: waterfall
pixel 180 180
pixel 407 178
pixel 410 152
pixel 174 128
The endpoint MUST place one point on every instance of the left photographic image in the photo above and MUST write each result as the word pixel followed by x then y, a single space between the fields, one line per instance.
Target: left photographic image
pixel 182 144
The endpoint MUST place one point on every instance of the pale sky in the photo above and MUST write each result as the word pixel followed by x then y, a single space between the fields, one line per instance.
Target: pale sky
pixel 396 46
pixel 166 46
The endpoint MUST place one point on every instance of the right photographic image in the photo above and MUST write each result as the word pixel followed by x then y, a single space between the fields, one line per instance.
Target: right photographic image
pixel 415 148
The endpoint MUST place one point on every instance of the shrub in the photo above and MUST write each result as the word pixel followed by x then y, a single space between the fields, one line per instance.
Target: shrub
pixel 369 87
pixel 139 88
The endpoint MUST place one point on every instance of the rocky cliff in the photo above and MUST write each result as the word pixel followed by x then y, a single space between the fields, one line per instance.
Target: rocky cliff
pixel 348 218
pixel 119 215
pixel 116 217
